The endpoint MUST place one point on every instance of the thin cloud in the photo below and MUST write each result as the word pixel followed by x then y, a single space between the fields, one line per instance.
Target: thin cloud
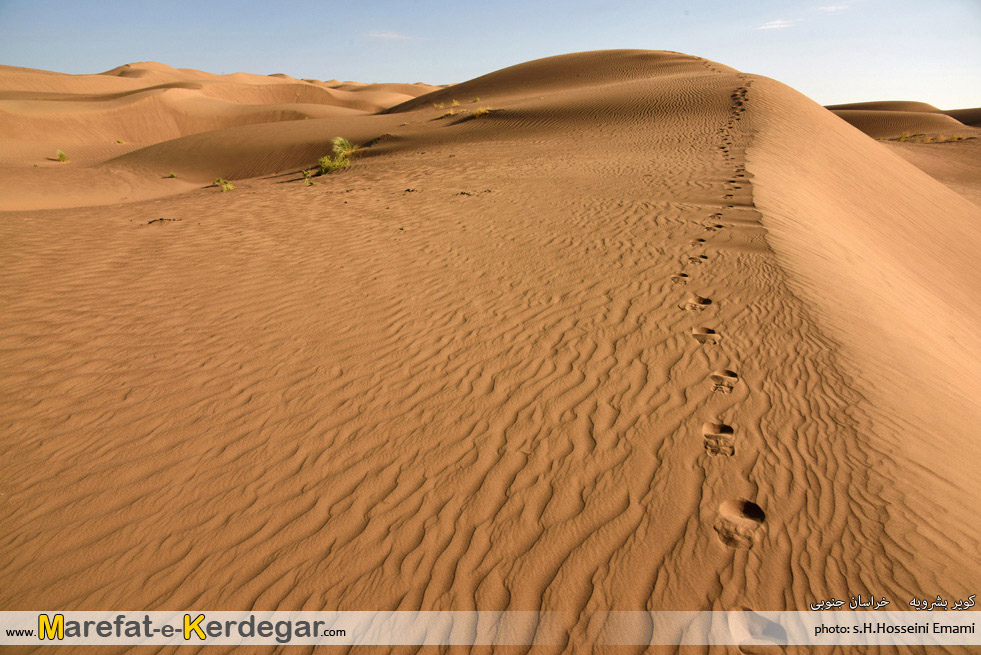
pixel 778 24
pixel 833 9
pixel 388 36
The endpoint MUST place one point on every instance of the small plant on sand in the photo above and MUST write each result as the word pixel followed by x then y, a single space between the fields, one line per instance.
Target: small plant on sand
pixel 475 100
pixel 343 151
pixel 328 164
pixel 439 105
pixel 343 147
pixel 446 115
pixel 223 184
pixel 172 175
pixel 119 141
pixel 62 157
pixel 904 136
pixel 480 111
pixel 455 103
pixel 308 176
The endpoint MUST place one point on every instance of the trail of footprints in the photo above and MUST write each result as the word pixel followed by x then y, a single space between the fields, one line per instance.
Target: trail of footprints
pixel 739 522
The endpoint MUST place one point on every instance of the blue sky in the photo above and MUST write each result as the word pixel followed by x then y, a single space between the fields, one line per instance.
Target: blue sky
pixel 831 50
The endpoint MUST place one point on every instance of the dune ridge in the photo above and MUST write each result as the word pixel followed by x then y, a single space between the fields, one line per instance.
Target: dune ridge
pixel 636 339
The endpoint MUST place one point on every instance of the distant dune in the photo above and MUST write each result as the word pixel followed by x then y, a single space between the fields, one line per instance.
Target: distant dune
pixel 615 330
pixel 925 136
pixel 891 119
pixel 97 118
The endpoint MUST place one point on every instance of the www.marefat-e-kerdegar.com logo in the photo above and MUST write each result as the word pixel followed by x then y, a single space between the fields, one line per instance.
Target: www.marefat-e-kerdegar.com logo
pixel 545 628
pixel 189 627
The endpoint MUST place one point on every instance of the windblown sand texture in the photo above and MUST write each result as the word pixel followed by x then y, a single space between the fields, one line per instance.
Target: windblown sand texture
pixel 651 334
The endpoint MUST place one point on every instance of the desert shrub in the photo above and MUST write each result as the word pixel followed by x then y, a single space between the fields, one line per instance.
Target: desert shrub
pixel 455 103
pixel 62 157
pixel 446 115
pixel 344 148
pixel 328 164
pixel 475 100
pixel 343 151
pixel 480 111
pixel 172 174
pixel 223 184
pixel 308 176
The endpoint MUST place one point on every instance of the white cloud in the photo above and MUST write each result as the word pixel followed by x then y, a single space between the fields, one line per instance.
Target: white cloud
pixel 778 24
pixel 833 9
pixel 387 36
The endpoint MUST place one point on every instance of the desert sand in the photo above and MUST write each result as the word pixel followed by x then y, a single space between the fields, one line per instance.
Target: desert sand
pixel 649 334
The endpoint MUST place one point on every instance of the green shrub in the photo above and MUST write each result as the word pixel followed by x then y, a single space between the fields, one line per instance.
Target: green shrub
pixel 344 148
pixel 172 174
pixel 343 151
pixel 308 176
pixel 328 164
pixel 62 157
pixel 223 184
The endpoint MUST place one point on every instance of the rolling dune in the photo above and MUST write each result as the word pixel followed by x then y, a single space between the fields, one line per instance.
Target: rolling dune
pixel 650 334
pixel 943 144
pixel 891 119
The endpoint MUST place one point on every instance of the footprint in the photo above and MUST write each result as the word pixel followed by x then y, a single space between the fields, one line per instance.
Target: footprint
pixel 697 242
pixel 724 380
pixel 697 259
pixel 715 227
pixel 696 303
pixel 705 335
pixel 719 439
pixel 739 523
pixel 680 278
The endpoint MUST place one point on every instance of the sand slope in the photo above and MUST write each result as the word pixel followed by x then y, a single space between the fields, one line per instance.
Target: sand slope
pixel 971 116
pixel 651 334
pixel 97 118
pixel 891 119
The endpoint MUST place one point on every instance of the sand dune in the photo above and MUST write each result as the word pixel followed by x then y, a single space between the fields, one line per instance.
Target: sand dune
pixel 150 102
pixel 943 144
pixel 970 116
pixel 891 124
pixel 652 333
pixel 96 119
pixel 891 119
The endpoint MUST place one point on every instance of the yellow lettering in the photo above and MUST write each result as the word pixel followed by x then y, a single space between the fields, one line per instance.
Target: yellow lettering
pixel 48 630
pixel 193 626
